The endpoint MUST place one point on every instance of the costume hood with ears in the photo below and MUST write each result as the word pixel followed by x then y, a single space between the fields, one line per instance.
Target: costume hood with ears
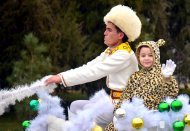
pixel 154 46
pixel 126 19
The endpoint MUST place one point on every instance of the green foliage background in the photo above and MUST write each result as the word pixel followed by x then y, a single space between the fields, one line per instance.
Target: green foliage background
pixel 42 37
pixel 65 34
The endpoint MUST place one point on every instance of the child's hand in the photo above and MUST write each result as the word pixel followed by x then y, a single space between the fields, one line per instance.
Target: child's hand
pixel 168 68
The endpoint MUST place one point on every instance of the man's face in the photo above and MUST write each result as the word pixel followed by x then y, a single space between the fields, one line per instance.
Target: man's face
pixel 111 36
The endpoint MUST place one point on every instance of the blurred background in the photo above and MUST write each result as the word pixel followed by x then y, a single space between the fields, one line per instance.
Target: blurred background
pixel 43 37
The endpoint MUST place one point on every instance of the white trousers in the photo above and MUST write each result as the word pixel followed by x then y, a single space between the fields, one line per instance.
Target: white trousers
pixel 102 120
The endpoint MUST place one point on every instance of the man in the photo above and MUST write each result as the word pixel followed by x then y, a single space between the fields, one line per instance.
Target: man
pixel 116 63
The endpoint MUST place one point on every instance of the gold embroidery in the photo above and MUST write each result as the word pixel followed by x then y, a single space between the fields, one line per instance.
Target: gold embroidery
pixel 124 46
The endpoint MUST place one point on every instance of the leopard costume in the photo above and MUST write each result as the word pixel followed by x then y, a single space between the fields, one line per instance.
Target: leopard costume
pixel 148 83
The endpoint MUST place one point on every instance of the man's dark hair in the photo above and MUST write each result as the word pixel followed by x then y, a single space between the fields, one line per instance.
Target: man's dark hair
pixel 125 38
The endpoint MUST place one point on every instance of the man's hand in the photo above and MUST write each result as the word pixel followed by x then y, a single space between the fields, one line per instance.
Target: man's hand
pixel 53 79
pixel 168 68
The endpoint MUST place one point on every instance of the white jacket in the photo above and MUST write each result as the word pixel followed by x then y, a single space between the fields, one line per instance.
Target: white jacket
pixel 116 64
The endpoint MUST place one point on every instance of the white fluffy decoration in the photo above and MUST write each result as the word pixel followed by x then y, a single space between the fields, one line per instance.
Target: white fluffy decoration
pixel 172 116
pixel 50 114
pixel 84 120
pixel 49 105
pixel 9 97
pixel 135 109
pixel 151 118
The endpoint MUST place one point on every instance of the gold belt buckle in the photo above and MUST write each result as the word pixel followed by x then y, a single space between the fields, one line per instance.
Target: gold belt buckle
pixel 115 94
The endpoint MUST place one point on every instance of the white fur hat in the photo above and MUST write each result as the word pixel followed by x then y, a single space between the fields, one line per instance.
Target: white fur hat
pixel 126 19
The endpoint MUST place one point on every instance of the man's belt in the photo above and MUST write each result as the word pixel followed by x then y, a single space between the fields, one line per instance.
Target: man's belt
pixel 115 94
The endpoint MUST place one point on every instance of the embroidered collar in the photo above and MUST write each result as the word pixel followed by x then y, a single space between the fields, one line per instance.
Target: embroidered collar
pixel 124 46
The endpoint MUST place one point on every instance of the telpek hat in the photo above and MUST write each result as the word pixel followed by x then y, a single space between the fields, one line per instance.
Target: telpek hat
pixel 125 19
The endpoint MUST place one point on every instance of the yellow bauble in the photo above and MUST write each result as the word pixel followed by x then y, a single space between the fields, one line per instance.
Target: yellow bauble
pixel 97 128
pixel 137 123
pixel 186 119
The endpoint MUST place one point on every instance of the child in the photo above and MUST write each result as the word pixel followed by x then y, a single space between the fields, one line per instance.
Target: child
pixel 152 83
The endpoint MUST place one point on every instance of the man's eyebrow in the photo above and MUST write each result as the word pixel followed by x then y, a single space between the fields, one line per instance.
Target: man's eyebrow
pixel 108 28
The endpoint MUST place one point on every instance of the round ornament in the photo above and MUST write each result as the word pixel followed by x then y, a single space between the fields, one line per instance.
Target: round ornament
pixel 176 105
pixel 178 126
pixel 25 124
pixel 137 123
pixel 34 104
pixel 163 106
pixel 120 113
pixel 97 128
pixel 186 119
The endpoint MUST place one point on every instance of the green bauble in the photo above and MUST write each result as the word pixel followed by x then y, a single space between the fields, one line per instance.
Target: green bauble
pixel 176 105
pixel 34 104
pixel 178 126
pixel 25 124
pixel 163 106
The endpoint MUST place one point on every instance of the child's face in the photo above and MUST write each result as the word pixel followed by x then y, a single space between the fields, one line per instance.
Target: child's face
pixel 146 57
